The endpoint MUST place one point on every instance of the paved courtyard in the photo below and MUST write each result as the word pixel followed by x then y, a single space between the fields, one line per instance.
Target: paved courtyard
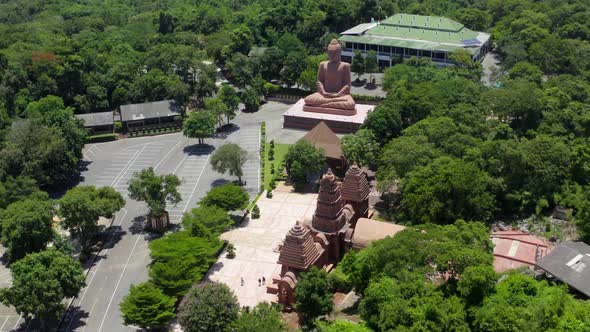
pixel 256 242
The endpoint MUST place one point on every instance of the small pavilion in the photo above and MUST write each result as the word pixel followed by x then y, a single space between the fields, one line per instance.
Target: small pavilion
pixel 322 137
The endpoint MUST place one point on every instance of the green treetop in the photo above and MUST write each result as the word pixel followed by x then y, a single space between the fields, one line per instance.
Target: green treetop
pixel 147 307
pixel 199 125
pixel 155 190
pixel 40 282
pixel 229 157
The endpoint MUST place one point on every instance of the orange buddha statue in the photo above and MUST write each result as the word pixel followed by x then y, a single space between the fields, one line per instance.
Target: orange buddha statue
pixel 333 86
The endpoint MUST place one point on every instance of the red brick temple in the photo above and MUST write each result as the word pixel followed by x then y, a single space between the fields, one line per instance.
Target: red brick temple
pixel 323 240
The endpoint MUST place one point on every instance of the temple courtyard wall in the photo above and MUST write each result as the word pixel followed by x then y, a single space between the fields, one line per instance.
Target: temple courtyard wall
pixel 257 242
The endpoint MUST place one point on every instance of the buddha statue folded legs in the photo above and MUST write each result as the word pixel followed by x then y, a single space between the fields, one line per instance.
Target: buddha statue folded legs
pixel 333 86
pixel 317 100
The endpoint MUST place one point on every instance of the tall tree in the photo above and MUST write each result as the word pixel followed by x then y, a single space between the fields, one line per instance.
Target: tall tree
pixel 82 206
pixel 180 259
pixel 358 64
pixel 314 298
pixel 38 152
pixel 199 125
pixel 208 307
pixel 361 148
pixel 371 64
pixel 155 190
pixel 218 108
pixel 26 227
pixel 446 190
pixel 303 160
pixel 207 220
pixel 229 157
pixel 18 189
pixel 228 197
pixel 251 99
pixel 264 317
pixel 230 98
pixel 40 282
pixel 147 307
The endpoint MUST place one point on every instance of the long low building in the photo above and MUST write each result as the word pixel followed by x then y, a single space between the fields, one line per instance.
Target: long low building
pixel 403 36
pixel 136 116
pixel 98 123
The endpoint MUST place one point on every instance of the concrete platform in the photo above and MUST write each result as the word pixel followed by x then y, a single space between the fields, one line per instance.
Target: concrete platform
pixel 296 118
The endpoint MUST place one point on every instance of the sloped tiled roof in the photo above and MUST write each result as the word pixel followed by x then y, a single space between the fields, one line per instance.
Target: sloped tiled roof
pixel 322 137
pixel 96 119
pixel 153 110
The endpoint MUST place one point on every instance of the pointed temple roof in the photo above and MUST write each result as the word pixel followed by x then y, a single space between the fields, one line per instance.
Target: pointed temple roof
pixel 355 187
pixel 329 208
pixel 299 250
pixel 322 137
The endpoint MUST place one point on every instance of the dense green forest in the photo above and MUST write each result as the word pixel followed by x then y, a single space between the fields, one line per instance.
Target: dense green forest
pixel 445 146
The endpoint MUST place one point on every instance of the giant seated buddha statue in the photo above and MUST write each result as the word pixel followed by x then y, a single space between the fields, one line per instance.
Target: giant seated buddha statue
pixel 333 86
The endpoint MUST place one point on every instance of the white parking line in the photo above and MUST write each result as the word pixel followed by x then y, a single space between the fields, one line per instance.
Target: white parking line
pixel 6 320
pixel 17 323
pixel 195 187
pixel 166 155
pixel 118 282
pixel 138 152
pixel 97 267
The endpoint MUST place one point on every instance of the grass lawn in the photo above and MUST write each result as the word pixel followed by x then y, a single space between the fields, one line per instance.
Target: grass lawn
pixel 280 152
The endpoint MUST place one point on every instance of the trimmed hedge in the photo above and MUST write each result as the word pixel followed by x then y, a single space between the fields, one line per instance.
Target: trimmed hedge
pixel 101 138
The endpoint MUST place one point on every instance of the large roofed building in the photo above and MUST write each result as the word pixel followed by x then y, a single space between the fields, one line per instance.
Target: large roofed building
pixel 403 35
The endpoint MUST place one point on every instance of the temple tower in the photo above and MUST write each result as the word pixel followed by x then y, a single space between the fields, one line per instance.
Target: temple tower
pixel 328 214
pixel 355 191
pixel 299 250
pixel 331 215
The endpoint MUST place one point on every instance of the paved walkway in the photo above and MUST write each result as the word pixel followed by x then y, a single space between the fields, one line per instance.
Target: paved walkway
pixel 256 242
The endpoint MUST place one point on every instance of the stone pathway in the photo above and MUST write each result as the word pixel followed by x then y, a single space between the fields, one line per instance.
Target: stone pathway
pixel 256 242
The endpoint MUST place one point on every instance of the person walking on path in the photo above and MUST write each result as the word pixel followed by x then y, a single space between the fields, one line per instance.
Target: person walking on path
pixel 258 281
pixel 263 280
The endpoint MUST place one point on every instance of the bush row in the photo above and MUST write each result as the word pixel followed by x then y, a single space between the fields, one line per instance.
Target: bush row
pixel 154 131
pixel 101 138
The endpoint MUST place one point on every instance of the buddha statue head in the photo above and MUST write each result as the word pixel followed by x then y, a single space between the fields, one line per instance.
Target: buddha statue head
pixel 334 51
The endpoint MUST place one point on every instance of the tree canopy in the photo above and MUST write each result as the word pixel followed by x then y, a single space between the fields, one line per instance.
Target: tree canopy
pixel 81 207
pixel 180 259
pixel 199 125
pixel 40 282
pixel 147 306
pixel 303 160
pixel 229 157
pixel 208 307
pixel 26 227
pixel 229 197
pixel 264 317
pixel 156 190
pixel 314 297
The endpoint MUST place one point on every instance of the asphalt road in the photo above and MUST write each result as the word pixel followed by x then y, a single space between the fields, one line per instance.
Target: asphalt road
pixel 125 257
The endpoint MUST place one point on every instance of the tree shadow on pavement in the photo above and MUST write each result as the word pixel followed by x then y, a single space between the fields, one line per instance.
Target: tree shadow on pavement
pixel 138 225
pixel 198 149
pixel 73 320
pixel 358 83
pixel 220 182
pixel 226 130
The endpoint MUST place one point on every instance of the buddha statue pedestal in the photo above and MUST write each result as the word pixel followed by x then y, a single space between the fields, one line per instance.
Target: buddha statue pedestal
pixel 297 118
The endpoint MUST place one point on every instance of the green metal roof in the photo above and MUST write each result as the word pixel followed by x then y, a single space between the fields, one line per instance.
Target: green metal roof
pixel 415 44
pixel 423 22
pixel 418 32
